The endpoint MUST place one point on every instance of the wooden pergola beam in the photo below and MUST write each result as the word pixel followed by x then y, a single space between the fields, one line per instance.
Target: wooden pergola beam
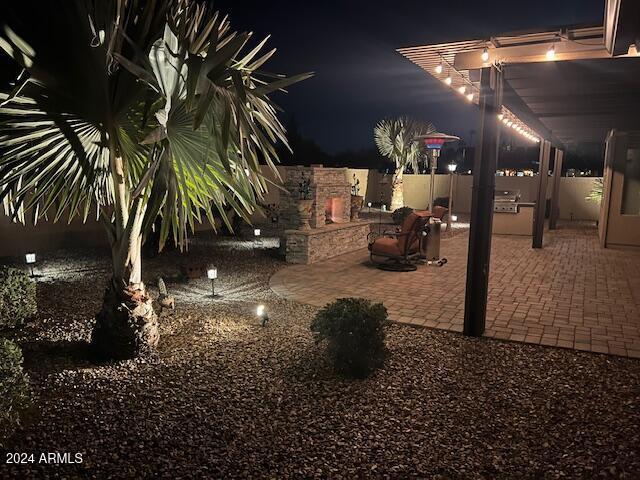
pixel 565 50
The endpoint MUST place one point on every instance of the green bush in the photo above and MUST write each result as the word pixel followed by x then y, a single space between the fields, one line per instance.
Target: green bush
pixel 400 214
pixel 17 297
pixel 354 331
pixel 14 388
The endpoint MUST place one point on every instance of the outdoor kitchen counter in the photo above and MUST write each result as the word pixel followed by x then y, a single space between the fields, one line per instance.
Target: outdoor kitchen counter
pixel 520 223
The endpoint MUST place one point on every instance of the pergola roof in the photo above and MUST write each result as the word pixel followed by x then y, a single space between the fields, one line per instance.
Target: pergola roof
pixel 591 85
pixel 582 99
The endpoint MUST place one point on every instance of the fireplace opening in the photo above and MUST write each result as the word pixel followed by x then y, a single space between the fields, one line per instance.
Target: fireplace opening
pixel 334 207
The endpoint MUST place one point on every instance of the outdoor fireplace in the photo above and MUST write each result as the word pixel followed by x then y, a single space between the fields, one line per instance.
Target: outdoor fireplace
pixel 332 232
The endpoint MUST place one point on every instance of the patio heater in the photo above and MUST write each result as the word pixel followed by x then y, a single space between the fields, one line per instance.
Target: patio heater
pixel 434 142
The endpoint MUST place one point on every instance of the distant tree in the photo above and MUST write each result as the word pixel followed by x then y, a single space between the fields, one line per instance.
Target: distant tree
pixel 396 139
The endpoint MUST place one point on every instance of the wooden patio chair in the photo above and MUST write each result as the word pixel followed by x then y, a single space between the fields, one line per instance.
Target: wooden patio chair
pixel 399 250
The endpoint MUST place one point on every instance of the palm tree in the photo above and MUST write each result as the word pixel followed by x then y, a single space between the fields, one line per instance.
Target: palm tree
pixel 396 140
pixel 135 111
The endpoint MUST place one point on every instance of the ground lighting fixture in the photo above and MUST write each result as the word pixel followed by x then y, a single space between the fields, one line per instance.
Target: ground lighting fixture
pixel 30 258
pixel 212 274
pixel 262 314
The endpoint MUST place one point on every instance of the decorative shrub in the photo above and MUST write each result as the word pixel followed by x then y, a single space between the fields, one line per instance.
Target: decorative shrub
pixel 400 214
pixel 17 297
pixel 354 331
pixel 14 388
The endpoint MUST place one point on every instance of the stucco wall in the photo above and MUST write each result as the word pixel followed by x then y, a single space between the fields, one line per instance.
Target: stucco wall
pixel 573 205
pixel 572 202
pixel 16 239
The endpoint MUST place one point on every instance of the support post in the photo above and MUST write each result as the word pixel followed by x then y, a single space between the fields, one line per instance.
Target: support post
pixel 450 204
pixel 432 179
pixel 541 200
pixel 555 191
pixel 484 181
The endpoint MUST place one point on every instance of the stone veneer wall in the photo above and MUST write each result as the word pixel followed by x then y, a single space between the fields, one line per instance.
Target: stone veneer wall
pixel 311 246
pixel 325 183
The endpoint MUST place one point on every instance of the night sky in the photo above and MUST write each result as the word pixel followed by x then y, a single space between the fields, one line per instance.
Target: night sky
pixel 359 77
pixel 350 45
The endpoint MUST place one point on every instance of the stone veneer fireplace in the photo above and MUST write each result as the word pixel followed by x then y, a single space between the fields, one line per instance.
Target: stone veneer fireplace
pixel 332 231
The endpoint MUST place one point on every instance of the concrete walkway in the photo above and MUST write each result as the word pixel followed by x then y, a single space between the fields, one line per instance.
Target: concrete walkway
pixel 570 294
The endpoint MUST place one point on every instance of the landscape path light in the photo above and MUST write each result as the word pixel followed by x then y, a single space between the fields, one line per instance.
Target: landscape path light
pixel 31 260
pixel 212 274
pixel 262 314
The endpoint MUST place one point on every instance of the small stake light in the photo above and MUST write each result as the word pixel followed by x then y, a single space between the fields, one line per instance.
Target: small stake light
pixel 262 314
pixel 212 274
pixel 257 238
pixel 31 260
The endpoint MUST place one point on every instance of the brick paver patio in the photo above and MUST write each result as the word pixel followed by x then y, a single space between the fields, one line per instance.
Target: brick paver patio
pixel 570 294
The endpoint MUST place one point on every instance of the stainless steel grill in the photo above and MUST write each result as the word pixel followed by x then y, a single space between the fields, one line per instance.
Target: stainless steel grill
pixel 506 201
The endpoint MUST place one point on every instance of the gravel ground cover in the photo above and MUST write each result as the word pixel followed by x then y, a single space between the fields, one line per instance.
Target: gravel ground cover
pixel 225 398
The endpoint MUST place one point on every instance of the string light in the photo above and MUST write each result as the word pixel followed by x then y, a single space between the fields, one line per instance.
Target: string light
pixel 485 55
pixel 551 53
pixel 448 80
pixel 470 97
pixel 462 89
pixel 438 68
pixel 518 127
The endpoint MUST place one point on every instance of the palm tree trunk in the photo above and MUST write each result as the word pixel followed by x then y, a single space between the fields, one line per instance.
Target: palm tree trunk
pixel 127 324
pixel 397 190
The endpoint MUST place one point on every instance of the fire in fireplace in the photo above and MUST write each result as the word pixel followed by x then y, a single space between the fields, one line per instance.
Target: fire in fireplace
pixel 333 210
